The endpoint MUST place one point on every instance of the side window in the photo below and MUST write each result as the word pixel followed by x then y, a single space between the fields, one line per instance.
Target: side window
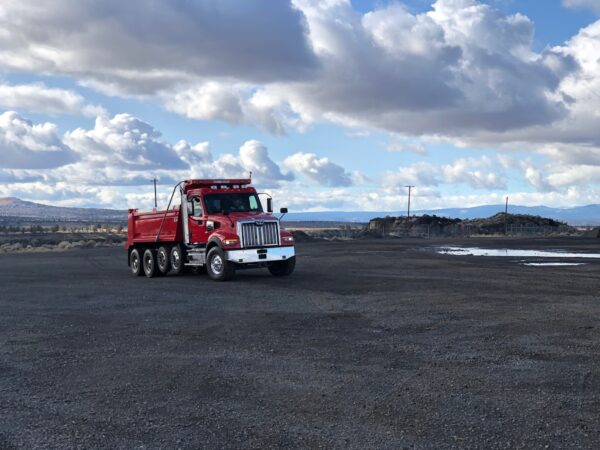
pixel 253 203
pixel 196 207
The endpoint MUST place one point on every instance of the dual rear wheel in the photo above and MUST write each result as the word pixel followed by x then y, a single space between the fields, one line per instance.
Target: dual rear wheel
pixel 143 262
pixel 152 263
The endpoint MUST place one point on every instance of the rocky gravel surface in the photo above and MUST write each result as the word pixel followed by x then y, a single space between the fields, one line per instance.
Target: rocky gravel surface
pixel 369 344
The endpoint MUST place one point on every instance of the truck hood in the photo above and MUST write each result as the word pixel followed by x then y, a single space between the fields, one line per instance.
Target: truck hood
pixel 239 216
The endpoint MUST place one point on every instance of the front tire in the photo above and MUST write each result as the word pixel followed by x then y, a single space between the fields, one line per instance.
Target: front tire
pixel 135 262
pixel 163 260
pixel 149 263
pixel 218 268
pixel 283 268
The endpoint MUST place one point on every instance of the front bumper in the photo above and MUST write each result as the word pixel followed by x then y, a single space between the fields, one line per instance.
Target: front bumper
pixel 260 255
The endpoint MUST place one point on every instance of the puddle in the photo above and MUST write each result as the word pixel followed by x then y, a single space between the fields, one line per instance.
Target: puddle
pixel 550 264
pixel 476 251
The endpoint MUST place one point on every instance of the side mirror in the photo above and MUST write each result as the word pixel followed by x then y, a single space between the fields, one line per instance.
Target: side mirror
pixel 283 210
pixel 270 205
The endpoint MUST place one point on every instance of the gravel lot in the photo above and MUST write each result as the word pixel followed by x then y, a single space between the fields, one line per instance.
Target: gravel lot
pixel 370 344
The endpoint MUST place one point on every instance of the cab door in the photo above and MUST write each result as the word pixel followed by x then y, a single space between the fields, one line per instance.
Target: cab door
pixel 197 222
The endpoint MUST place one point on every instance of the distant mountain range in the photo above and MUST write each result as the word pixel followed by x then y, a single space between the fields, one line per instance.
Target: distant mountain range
pixel 11 207
pixel 579 215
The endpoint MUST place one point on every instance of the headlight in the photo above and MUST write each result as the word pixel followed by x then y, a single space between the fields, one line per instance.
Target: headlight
pixel 288 239
pixel 231 241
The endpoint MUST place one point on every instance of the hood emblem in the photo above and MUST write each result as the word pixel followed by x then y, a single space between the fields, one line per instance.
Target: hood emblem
pixel 259 222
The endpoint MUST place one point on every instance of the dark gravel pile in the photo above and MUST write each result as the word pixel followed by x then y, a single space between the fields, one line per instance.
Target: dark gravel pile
pixel 369 344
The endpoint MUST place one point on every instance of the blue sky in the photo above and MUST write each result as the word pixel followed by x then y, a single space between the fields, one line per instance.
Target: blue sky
pixel 332 104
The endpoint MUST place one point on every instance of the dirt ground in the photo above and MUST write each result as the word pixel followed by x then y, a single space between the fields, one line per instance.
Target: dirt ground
pixel 369 344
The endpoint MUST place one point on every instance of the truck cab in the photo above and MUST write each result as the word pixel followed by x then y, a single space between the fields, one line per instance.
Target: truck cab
pixel 220 225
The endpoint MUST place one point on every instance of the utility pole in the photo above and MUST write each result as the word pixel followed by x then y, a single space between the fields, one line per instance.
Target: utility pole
pixel 409 191
pixel 506 217
pixel 155 203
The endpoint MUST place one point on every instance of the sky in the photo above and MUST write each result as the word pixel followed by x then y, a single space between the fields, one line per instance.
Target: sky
pixel 331 104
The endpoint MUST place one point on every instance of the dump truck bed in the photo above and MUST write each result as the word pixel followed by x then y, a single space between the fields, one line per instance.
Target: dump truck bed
pixel 144 226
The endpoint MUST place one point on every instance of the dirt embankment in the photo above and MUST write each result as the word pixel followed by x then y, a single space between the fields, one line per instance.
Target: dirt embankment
pixel 340 233
pixel 434 226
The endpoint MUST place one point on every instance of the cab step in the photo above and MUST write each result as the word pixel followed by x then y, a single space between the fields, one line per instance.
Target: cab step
pixel 196 257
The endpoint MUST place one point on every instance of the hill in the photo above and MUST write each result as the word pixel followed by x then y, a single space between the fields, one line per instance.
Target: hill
pixel 13 209
pixel 500 223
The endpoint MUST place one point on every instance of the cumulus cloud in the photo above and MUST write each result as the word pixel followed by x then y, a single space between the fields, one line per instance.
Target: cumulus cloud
pixel 461 68
pixel 462 72
pixel 120 151
pixel 565 177
pixel 254 158
pixel 126 142
pixel 592 4
pixel 348 199
pixel 321 170
pixel 133 47
pixel 421 173
pixel 24 145
pixel 401 146
pixel 537 179
pixel 39 98
pixel 578 89
pixel 236 104
pixel 478 173
pixel 194 155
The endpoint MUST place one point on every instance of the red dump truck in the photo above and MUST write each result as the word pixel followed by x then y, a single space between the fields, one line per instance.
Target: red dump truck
pixel 219 225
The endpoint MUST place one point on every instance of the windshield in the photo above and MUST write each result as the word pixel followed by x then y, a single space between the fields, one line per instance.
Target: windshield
pixel 216 203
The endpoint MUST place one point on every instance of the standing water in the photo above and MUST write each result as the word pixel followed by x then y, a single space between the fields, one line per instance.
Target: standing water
pixel 520 253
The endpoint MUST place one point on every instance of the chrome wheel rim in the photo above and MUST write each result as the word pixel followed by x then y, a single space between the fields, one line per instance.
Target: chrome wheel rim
pixel 148 263
pixel 216 264
pixel 175 259
pixel 162 259
pixel 135 263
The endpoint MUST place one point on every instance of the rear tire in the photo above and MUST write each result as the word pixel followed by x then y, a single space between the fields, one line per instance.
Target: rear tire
pixel 283 268
pixel 163 260
pixel 135 262
pixel 176 259
pixel 149 263
pixel 218 268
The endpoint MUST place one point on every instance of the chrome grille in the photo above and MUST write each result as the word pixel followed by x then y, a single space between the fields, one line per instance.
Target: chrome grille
pixel 254 235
